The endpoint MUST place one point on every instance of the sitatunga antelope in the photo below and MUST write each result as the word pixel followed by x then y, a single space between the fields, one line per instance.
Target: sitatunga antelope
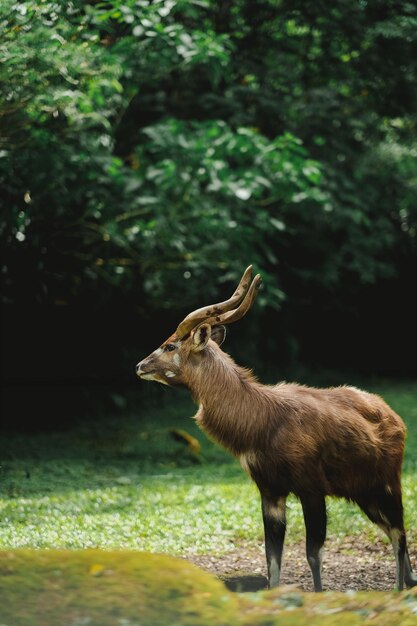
pixel 290 438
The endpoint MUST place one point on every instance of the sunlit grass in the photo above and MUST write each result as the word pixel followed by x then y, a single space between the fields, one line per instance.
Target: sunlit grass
pixel 125 483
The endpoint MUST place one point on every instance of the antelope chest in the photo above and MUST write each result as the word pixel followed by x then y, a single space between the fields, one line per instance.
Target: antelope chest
pixel 248 461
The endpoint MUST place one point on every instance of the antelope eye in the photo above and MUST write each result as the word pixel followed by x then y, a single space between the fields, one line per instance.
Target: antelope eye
pixel 170 347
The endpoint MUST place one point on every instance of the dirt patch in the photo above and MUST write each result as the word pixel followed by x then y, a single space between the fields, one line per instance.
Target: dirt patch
pixel 349 563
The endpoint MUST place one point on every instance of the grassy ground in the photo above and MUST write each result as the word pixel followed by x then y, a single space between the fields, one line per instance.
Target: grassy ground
pixel 124 482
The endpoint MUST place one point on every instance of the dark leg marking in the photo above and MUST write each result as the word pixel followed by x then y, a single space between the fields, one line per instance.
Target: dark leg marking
pixel 386 510
pixel 315 518
pixel 274 518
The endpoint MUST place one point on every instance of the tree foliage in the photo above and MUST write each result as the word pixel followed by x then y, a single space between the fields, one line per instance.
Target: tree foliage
pixel 144 142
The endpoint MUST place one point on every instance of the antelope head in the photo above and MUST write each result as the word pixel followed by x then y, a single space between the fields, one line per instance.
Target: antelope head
pixel 168 364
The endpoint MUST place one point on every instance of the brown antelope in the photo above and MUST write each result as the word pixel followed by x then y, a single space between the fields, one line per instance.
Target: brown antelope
pixel 290 438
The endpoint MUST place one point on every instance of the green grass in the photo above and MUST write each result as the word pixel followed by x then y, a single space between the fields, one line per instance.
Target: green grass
pixel 124 482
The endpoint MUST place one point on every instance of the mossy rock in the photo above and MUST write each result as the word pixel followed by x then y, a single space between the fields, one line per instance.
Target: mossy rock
pixel 103 588
pixel 100 588
pixel 291 607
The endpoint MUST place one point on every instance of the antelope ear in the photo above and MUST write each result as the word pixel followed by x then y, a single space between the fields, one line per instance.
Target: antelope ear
pixel 200 337
pixel 218 334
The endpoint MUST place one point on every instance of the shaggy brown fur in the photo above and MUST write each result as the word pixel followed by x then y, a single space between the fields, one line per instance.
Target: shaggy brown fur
pixel 338 441
pixel 311 442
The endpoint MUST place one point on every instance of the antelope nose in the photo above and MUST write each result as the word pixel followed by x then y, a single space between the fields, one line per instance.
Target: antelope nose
pixel 138 366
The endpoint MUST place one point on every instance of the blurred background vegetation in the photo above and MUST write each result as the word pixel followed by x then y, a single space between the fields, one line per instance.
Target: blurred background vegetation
pixel 151 150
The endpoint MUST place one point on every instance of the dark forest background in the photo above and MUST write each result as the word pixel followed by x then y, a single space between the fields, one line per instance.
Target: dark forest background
pixel 151 150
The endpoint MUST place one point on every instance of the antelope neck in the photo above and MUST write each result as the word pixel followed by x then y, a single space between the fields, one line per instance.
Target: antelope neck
pixel 227 394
